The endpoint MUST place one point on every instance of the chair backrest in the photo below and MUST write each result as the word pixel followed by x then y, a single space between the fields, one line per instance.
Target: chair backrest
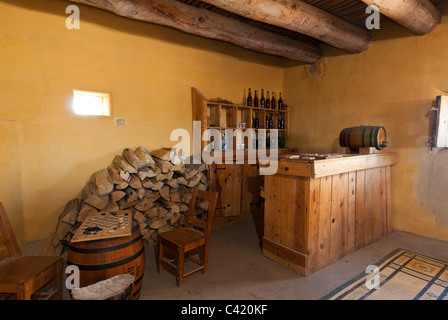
pixel 7 236
pixel 191 220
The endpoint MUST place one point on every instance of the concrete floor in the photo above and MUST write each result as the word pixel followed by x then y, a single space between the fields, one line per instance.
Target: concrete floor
pixel 239 271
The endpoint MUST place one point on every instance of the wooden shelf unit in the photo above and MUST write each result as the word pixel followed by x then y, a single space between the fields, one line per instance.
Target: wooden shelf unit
pixel 222 116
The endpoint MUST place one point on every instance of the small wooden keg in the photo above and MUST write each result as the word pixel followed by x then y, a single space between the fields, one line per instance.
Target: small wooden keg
pixel 102 259
pixel 363 137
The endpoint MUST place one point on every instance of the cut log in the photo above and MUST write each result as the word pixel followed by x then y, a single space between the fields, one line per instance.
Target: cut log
pixel 90 196
pixel 144 173
pixel 70 213
pixel 157 185
pixel 103 182
pixel 164 165
pixel 161 154
pixel 303 18
pixel 208 24
pixel 85 210
pixel 117 195
pixel 153 196
pixel 125 175
pixel 131 195
pixel 157 224
pixel 135 182
pixel 144 205
pixel 418 16
pixel 123 204
pixel 121 186
pixel 141 193
pixel 165 192
pixel 62 230
pixel 145 157
pixel 152 213
pixel 175 196
pixel 132 159
pixel 182 180
pixel 121 162
pixel 147 183
pixel 194 181
pixel 114 174
pixel 112 206
pixel 175 218
pixel 171 182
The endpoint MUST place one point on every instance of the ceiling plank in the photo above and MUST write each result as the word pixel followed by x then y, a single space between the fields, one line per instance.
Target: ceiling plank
pixel 303 18
pixel 207 24
pixel 419 16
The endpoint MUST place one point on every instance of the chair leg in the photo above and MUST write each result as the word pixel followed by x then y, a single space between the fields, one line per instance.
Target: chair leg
pixel 57 282
pixel 160 247
pixel 205 258
pixel 180 267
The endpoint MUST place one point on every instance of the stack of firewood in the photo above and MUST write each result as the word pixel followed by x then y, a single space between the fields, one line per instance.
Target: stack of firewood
pixel 150 184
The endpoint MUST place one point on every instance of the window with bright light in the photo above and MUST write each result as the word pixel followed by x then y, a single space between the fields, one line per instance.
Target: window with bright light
pixel 91 103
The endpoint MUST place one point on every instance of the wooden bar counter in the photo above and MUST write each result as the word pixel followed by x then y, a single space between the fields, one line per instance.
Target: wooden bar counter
pixel 317 211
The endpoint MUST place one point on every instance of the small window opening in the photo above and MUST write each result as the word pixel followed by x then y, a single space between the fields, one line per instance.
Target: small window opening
pixel 91 103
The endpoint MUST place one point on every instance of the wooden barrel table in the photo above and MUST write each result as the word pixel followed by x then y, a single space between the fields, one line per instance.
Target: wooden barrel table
pixel 363 137
pixel 99 260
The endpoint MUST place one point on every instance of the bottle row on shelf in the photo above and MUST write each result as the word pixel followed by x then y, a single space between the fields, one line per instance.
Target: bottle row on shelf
pixel 269 124
pixel 264 141
pixel 262 102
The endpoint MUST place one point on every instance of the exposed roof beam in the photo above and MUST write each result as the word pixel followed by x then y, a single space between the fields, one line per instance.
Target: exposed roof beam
pixel 211 25
pixel 419 16
pixel 303 18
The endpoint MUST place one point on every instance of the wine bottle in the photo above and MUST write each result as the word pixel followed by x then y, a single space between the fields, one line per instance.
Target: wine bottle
pixel 268 100
pixel 270 122
pixel 249 98
pixel 273 101
pixel 262 100
pixel 267 122
pixel 257 122
pixel 255 99
pixel 280 102
pixel 268 141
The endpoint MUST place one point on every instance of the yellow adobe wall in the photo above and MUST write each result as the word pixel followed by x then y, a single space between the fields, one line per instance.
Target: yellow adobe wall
pixel 47 153
pixel 392 84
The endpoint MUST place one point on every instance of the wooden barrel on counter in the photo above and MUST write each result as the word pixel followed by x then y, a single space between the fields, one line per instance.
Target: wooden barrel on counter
pixel 363 137
pixel 99 260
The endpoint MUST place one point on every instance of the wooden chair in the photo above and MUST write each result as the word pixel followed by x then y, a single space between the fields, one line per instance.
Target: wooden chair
pixel 194 235
pixel 24 276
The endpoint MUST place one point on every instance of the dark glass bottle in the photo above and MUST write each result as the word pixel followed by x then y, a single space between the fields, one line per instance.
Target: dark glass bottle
pixel 255 99
pixel 280 102
pixel 267 122
pixel 262 100
pixel 271 124
pixel 268 100
pixel 257 122
pixel 249 98
pixel 268 141
pixel 273 101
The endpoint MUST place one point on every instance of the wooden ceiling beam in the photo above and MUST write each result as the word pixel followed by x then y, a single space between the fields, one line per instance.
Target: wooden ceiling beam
pixel 207 24
pixel 303 18
pixel 419 16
